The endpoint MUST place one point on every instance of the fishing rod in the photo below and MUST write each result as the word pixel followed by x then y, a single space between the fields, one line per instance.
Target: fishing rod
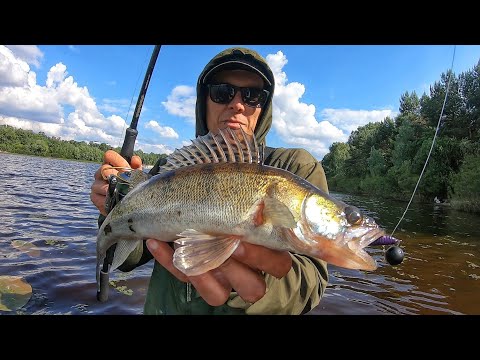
pixel 116 190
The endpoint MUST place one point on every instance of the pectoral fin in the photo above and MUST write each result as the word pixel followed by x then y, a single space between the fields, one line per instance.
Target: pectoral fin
pixel 199 252
pixel 123 249
pixel 277 213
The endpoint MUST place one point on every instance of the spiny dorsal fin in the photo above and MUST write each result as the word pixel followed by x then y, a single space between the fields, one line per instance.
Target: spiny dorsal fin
pixel 226 146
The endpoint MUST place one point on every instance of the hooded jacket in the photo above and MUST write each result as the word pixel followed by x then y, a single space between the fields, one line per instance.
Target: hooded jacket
pixel 302 288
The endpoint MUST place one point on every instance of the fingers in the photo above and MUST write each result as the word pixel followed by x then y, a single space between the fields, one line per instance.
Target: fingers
pixel 211 286
pixel 98 195
pixel 105 171
pixel 163 253
pixel 273 262
pixel 114 159
pixel 100 185
pixel 136 162
pixel 241 272
pixel 248 283
pixel 211 289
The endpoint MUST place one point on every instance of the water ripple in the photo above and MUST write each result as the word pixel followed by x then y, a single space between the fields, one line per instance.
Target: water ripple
pixel 46 202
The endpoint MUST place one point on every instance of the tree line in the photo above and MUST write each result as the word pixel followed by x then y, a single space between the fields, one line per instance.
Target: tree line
pixel 386 158
pixel 27 142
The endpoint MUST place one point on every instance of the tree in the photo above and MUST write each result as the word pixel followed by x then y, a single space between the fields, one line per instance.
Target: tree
pixel 409 104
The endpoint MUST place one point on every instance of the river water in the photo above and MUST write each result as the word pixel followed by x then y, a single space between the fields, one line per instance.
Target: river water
pixel 46 202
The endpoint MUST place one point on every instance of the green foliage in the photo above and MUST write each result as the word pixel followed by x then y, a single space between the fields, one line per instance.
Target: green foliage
pixel 335 161
pixel 465 191
pixel 376 162
pixel 409 104
pixel 27 142
pixel 387 158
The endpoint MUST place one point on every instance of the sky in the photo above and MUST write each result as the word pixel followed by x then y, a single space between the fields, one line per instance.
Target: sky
pixel 322 92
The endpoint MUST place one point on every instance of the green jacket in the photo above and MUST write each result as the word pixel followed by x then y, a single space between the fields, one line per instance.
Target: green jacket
pixel 296 293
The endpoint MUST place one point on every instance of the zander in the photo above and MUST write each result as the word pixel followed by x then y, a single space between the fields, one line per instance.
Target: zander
pixel 216 192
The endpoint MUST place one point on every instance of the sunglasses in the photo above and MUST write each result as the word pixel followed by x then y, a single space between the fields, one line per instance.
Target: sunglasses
pixel 224 93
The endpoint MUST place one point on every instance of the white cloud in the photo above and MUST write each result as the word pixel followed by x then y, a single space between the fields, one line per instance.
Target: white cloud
pixel 13 71
pixel 73 48
pixel 164 131
pixel 31 54
pixel 34 103
pixel 61 107
pixel 26 104
pixel 181 102
pixel 350 120
pixel 48 128
pixel 155 148
pixel 295 121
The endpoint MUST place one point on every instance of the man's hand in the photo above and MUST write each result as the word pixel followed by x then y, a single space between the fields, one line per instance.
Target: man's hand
pixel 99 187
pixel 242 271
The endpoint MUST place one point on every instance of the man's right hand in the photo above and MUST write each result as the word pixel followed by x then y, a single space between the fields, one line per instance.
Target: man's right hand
pixel 99 187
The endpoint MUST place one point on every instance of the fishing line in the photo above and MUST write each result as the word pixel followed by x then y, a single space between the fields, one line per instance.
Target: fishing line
pixel 130 106
pixel 433 142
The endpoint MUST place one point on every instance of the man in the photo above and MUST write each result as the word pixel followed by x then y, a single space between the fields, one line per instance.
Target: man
pixel 234 90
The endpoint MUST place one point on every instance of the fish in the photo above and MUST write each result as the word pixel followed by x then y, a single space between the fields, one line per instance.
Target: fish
pixel 215 193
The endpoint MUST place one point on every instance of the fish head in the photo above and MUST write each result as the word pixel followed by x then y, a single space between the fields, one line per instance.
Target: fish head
pixel 337 232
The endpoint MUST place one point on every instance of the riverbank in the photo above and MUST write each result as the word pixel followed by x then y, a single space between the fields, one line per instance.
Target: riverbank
pixel 471 205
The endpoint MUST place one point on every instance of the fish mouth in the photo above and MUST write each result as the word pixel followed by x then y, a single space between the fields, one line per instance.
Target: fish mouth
pixel 359 238
pixel 346 250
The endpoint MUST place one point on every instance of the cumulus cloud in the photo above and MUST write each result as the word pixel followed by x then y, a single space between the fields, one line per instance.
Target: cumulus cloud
pixel 31 54
pixel 164 131
pixel 61 107
pixel 37 107
pixel 295 121
pixel 13 71
pixel 181 102
pixel 155 148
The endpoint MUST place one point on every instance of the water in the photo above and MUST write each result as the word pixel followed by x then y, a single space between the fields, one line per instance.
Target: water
pixel 46 202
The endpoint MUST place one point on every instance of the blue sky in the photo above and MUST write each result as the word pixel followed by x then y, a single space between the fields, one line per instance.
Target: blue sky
pixel 323 92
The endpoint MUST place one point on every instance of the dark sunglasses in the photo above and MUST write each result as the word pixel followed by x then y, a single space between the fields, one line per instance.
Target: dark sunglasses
pixel 224 93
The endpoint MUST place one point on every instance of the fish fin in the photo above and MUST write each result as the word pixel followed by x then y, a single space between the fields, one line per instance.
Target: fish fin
pixel 123 249
pixel 199 252
pixel 277 213
pixel 225 146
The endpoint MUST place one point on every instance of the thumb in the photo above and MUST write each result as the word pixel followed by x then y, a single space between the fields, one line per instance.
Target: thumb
pixel 136 162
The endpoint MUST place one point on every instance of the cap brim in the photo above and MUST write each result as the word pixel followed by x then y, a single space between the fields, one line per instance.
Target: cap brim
pixel 234 65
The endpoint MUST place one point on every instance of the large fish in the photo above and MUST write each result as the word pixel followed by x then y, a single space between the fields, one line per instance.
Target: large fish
pixel 216 192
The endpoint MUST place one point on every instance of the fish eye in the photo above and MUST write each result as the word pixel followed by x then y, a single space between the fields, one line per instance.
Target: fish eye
pixel 354 217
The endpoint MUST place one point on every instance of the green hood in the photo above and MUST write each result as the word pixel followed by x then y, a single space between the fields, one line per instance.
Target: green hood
pixel 236 57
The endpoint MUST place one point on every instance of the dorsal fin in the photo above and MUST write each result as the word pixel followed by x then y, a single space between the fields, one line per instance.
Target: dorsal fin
pixel 226 146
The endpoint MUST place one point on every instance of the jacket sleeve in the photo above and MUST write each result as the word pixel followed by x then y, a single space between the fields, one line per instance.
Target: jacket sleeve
pixel 296 293
pixel 302 288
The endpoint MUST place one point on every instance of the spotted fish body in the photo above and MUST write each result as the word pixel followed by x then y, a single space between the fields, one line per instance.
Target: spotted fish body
pixel 216 192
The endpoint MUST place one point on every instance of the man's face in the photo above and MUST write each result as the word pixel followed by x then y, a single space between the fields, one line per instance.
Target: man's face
pixel 234 114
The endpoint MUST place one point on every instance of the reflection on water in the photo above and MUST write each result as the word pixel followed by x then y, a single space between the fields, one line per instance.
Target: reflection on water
pixel 46 202
pixel 439 275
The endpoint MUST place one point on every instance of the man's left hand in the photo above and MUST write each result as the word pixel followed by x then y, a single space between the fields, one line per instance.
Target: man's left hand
pixel 241 272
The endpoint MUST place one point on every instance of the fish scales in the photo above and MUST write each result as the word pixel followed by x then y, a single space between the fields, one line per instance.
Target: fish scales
pixel 230 196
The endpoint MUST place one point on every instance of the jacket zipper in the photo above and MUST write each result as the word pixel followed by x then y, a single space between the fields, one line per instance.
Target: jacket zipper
pixel 189 292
